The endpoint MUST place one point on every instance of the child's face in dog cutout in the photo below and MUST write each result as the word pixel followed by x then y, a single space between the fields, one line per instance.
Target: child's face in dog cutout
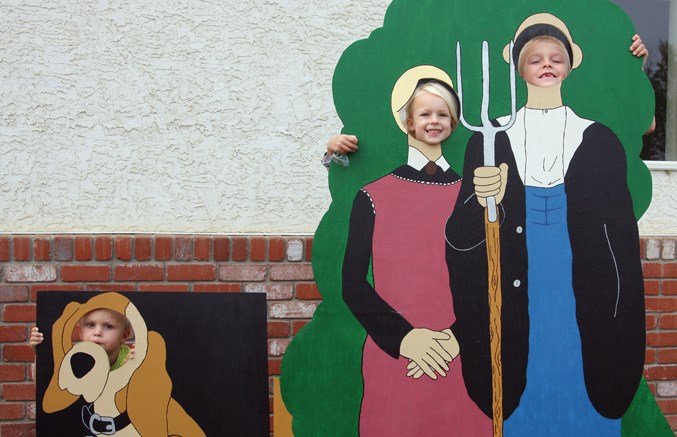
pixel 107 328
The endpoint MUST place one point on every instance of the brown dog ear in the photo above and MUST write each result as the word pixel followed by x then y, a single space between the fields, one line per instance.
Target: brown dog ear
pixel 149 390
pixel 55 398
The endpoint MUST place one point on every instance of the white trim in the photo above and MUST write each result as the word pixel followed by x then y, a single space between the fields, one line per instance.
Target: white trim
pixel 661 165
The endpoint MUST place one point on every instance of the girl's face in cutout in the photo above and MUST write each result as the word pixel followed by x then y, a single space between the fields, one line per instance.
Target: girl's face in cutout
pixel 546 63
pixel 430 119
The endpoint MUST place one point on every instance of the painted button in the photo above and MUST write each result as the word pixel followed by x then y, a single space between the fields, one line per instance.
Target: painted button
pixel 519 229
pixel 517 283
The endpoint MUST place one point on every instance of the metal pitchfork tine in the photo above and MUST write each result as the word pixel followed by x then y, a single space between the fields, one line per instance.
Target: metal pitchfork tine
pixel 491 226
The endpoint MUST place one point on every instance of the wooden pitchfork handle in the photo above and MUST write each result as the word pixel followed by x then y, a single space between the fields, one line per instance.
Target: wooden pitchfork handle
pixel 495 304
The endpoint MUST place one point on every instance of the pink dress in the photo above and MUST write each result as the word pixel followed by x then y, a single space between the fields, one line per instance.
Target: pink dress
pixel 411 276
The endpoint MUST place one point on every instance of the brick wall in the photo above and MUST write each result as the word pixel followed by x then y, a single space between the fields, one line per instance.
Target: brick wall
pixel 276 265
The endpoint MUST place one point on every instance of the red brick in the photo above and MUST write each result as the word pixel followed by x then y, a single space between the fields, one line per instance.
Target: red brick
pixel 296 326
pixel 13 293
pixel 142 248
pixel 667 321
pixel 18 392
pixel 163 248
pixel 30 413
pixel 9 333
pixel 83 248
pixel 668 406
pixel 182 248
pixel 242 272
pixel 42 249
pixel 257 249
pixel 273 291
pixel 80 273
pixel 309 248
pixel 53 287
pixel 291 272
pixel 17 430
pixel 30 273
pixel 22 248
pixel 63 248
pixel 672 420
pixel 653 373
pixel 278 329
pixel 103 248
pixel 292 310
pixel 274 366
pixel 12 411
pixel 651 322
pixel 202 248
pixel 660 339
pixel 652 269
pixel 18 313
pixel 221 249
pixel 652 286
pixel 650 356
pixel 12 372
pixel 641 248
pixel 17 353
pixel 191 272
pixel 307 291
pixel 239 249
pixel 670 270
pixel 670 286
pixel 163 287
pixel 661 304
pixel 218 288
pixel 119 288
pixel 4 248
pixel 667 356
pixel 123 248
pixel 276 249
pixel 139 272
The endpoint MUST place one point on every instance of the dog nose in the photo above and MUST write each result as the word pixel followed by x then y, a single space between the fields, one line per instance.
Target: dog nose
pixel 81 363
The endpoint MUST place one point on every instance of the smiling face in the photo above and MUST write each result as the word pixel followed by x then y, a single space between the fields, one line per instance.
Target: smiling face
pixel 107 328
pixel 429 119
pixel 544 62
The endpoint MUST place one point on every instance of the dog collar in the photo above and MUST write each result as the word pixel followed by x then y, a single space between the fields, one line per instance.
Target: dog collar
pixel 103 425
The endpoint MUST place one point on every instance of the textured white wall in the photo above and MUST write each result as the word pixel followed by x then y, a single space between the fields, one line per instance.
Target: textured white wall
pixel 194 116
pixel 661 217
pixel 170 115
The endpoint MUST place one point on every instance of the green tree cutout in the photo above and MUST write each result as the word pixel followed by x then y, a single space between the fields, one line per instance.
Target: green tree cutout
pixel 321 371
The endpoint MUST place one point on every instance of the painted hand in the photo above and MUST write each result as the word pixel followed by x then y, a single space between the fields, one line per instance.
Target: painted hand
pixel 422 346
pixel 450 345
pixel 490 181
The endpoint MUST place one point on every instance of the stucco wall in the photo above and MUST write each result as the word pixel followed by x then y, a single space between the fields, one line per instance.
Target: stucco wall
pixel 179 116
pixel 661 217
pixel 170 115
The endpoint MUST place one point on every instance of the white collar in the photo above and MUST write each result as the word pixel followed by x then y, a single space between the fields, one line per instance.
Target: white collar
pixel 418 160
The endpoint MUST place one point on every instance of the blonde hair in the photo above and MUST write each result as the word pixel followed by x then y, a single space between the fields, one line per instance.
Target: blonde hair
pixel 436 88
pixel 541 38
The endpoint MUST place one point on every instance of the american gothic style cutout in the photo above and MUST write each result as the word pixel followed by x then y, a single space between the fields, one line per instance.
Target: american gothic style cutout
pixel 569 186
pixel 172 386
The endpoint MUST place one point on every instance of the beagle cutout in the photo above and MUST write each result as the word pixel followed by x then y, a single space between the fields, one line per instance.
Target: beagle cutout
pixel 133 400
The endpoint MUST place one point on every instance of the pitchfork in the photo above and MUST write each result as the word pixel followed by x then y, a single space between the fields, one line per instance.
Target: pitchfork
pixel 491 224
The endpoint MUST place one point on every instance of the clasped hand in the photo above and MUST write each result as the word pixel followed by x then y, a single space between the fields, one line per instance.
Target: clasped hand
pixel 429 352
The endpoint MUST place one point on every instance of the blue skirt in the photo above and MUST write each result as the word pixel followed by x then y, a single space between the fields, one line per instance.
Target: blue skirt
pixel 555 401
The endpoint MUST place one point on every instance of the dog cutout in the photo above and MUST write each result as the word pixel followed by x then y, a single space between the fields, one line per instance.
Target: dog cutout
pixel 133 400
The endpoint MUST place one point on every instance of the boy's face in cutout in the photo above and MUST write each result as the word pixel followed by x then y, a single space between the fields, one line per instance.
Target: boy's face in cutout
pixel 430 119
pixel 107 328
pixel 546 63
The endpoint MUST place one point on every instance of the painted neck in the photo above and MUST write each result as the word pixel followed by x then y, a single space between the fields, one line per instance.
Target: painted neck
pixel 544 98
pixel 430 151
